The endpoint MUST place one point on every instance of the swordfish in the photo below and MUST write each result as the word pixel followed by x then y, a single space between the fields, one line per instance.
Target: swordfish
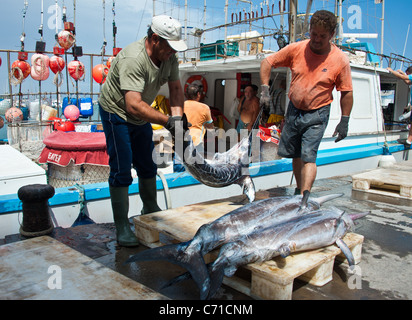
pixel 222 170
pixel 231 226
pixel 307 232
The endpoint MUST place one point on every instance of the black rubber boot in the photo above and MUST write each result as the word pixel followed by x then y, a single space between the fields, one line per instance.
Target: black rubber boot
pixel 148 194
pixel 120 206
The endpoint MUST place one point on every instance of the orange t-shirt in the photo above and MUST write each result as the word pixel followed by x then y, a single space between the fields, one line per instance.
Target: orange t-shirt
pixel 313 76
pixel 197 114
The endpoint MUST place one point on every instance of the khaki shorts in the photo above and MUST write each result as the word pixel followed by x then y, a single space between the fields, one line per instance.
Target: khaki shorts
pixel 303 132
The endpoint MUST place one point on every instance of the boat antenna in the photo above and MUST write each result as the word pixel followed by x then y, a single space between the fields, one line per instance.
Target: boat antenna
pixel 23 34
pixel 41 22
pixel 103 51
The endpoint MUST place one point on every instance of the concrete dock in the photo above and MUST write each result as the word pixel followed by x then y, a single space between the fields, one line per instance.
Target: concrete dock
pixel 384 272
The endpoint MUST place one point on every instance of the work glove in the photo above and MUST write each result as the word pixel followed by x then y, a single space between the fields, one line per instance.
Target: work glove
pixel 264 96
pixel 174 121
pixel 342 128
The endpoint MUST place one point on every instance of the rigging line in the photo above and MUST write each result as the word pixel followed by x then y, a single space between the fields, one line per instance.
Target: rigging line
pixel 103 51
pixel 41 22
pixel 114 24
pixel 141 19
pixel 57 8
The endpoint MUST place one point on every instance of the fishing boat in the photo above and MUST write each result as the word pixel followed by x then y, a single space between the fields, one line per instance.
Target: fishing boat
pixel 225 67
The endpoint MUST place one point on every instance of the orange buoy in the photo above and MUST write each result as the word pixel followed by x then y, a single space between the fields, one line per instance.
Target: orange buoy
pixel 76 69
pixel 56 64
pixel 40 66
pixel 100 72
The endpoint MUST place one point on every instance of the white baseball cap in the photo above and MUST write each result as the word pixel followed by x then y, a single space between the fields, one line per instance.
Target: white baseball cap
pixel 169 29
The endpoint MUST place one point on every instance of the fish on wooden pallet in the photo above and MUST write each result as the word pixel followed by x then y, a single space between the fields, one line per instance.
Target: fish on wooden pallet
pixel 228 228
pixel 311 231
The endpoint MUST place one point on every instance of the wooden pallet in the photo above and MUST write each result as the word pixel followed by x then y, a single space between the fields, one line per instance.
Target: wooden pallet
pixel 270 280
pixel 394 181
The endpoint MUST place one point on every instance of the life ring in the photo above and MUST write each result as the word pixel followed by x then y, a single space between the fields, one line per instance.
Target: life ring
pixel 197 79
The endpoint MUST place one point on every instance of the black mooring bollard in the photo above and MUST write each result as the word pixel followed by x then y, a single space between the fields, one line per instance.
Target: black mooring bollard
pixel 36 216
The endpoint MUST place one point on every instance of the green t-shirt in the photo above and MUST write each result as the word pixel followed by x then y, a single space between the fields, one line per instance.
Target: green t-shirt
pixel 132 70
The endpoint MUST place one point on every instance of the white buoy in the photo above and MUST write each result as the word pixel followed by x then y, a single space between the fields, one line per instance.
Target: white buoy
pixel 387 160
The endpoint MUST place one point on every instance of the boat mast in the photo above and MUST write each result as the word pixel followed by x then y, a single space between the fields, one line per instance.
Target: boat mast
pixel 293 5
pixel 204 20
pixel 340 30
pixel 226 6
pixel 404 47
pixel 382 27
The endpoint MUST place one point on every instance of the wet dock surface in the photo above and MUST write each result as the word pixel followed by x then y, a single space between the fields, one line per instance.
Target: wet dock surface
pixel 384 272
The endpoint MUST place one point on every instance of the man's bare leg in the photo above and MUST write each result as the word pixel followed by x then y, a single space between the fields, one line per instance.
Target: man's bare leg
pixel 305 174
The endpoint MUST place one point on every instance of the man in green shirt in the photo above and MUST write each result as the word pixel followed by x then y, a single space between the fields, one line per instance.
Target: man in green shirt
pixel 134 79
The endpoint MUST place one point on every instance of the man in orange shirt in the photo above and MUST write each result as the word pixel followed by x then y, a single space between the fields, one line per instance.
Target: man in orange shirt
pixel 317 66
pixel 197 113
pixel 199 116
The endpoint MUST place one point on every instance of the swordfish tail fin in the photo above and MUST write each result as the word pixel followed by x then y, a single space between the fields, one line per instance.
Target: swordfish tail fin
pixel 177 254
pixel 346 251
pixel 217 273
pixel 182 277
pixel 248 187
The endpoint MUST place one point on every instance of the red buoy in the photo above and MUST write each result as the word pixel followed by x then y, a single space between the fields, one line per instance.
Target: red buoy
pixel 65 126
pixel 20 70
pixel 76 69
pixel 66 39
pixel 56 64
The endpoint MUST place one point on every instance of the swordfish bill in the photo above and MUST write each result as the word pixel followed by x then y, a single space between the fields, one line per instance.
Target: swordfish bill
pixel 224 169
pixel 237 223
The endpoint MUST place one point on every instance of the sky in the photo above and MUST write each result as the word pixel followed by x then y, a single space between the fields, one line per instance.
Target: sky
pixel 132 18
